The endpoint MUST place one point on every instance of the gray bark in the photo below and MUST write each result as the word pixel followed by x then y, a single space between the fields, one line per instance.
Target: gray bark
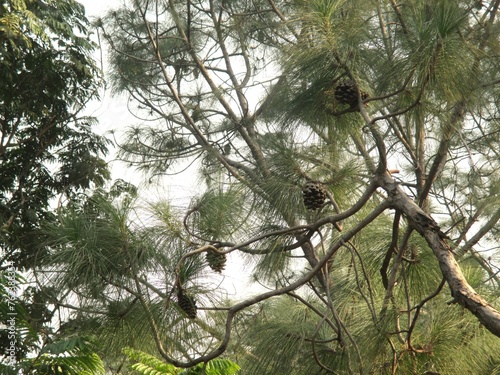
pixel 461 291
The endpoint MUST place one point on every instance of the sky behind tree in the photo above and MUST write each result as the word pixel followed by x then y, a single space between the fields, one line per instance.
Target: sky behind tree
pixel 113 116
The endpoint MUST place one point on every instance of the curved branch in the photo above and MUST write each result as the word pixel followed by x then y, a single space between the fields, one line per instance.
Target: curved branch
pixel 233 310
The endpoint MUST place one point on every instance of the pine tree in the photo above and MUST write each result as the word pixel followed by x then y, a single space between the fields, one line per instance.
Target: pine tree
pixel 388 111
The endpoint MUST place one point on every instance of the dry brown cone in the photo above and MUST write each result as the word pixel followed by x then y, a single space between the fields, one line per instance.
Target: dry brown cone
pixel 216 261
pixel 346 93
pixel 314 195
pixel 187 304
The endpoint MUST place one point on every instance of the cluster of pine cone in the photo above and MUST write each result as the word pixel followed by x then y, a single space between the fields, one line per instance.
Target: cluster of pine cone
pixel 187 303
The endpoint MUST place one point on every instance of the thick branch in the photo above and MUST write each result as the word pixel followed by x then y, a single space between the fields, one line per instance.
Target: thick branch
pixel 461 291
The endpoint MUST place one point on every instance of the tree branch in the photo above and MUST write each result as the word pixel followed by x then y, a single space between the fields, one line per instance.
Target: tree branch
pixel 460 289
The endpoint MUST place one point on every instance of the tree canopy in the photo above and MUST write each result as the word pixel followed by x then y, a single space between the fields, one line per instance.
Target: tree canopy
pixel 49 154
pixel 47 76
pixel 345 153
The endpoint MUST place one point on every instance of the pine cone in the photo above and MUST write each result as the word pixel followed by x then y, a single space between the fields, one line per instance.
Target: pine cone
pixel 187 304
pixel 216 261
pixel 346 93
pixel 314 195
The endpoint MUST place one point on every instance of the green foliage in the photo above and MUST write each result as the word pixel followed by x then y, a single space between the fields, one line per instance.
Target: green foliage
pixel 219 213
pixel 147 364
pixel 73 365
pixel 15 316
pixel 246 94
pixel 218 366
pixel 47 76
pixel 48 150
pixel 95 236
pixel 73 356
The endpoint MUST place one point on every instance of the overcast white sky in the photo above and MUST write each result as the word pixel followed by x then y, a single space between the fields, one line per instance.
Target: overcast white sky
pixel 99 7
pixel 111 111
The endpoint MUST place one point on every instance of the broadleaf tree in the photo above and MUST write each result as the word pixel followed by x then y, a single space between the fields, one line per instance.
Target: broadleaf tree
pixel 48 146
pixel 345 152
pixel 49 154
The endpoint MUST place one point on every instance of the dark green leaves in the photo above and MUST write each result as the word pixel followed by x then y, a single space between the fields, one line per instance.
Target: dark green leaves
pixel 47 76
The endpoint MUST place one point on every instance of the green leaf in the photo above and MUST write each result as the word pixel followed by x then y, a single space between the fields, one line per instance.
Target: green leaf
pixel 218 366
pixel 69 365
pixel 147 364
